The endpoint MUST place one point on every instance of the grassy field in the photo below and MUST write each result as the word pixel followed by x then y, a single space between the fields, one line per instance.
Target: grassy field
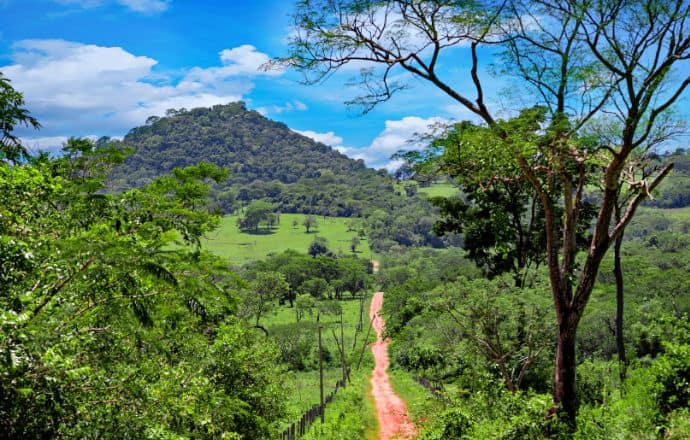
pixel 677 214
pixel 240 247
pixel 439 189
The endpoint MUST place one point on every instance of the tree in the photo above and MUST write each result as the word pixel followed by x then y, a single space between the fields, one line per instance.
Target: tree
pixel 507 333
pixel 354 243
pixel 318 246
pixel 262 294
pixel 257 212
pixel 315 287
pixel 309 223
pixel 304 304
pixel 12 114
pixel 580 58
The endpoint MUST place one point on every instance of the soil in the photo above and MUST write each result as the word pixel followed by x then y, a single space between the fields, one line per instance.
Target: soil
pixel 394 421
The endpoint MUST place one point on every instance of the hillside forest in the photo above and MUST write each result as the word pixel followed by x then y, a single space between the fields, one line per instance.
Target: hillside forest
pixel 216 275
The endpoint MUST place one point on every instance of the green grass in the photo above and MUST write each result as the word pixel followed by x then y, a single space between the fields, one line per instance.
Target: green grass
pixel 444 189
pixel 241 247
pixel 304 385
pixel 677 214
pixel 421 405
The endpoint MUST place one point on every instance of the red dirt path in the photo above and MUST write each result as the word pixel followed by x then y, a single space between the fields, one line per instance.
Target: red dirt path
pixel 394 423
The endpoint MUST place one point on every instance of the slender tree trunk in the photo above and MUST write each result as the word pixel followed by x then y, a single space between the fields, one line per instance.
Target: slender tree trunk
pixel 618 272
pixel 564 391
pixel 323 407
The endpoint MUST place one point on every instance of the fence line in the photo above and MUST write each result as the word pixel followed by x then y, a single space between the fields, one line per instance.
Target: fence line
pixel 431 388
pixel 299 428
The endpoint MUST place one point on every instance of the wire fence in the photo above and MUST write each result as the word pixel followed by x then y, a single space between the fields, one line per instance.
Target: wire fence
pixel 434 389
pixel 298 429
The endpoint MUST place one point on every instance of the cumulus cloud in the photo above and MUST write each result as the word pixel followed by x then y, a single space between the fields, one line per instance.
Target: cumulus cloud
pixel 328 138
pixel 142 6
pixel 74 88
pixel 289 106
pixel 50 144
pixel 244 60
pixel 408 133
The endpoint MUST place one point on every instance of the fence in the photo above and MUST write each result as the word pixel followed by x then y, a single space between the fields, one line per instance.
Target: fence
pixel 431 388
pixel 298 429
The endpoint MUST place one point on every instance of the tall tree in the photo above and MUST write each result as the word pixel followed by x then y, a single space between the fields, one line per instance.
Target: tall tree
pixel 12 114
pixel 579 58
pixel 309 223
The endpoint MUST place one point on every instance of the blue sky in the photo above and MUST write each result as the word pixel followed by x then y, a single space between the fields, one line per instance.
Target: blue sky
pixel 101 67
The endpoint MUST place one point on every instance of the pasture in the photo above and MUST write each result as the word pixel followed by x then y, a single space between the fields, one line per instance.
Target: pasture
pixel 240 247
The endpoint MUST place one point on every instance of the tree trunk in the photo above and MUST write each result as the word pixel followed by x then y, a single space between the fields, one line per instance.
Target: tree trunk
pixel 618 272
pixel 564 392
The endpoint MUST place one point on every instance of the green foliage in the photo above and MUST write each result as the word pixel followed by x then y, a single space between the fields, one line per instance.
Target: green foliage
pixel 349 416
pixel 451 424
pixel 318 246
pixel 12 114
pixel 262 294
pixel 310 223
pixel 674 191
pixel 110 328
pixel 258 211
pixel 495 413
pixel 672 373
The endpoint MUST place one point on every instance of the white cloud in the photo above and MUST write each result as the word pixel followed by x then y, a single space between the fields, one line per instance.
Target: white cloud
pixel 75 88
pixel 287 107
pixel 329 138
pixel 244 60
pixel 146 6
pixel 408 133
pixel 50 144
pixel 143 6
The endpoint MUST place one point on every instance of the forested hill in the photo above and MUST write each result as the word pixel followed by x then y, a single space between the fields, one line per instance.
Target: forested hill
pixel 265 159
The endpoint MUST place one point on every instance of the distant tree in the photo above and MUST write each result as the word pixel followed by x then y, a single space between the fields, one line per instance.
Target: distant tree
pixel 262 294
pixel 319 246
pixel 257 212
pixel 354 274
pixel 315 287
pixel 354 243
pixel 309 223
pixel 12 114
pixel 304 304
pixel 410 188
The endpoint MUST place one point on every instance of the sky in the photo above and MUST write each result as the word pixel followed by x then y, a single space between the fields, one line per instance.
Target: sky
pixel 102 67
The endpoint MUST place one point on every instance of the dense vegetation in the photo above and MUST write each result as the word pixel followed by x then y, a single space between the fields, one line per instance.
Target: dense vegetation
pixel 674 191
pixel 266 160
pixel 118 322
pixel 489 346
pixel 272 165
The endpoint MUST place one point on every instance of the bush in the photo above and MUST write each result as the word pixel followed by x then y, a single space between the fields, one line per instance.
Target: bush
pixel 672 374
pixel 452 424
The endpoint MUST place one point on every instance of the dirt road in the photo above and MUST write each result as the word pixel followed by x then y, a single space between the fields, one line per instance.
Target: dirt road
pixel 394 422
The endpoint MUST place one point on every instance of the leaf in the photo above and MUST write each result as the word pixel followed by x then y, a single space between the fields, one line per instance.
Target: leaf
pixel 159 272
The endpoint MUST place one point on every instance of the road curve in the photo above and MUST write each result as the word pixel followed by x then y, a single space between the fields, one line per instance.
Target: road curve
pixel 394 422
